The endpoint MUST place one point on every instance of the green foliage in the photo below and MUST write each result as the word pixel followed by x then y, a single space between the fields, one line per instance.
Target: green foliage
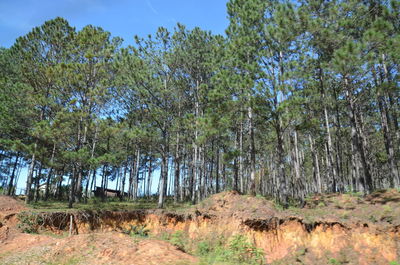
pixel 236 250
pixel 241 251
pixel 372 218
pixel 178 239
pixel 334 261
pixel 29 222
pixel 286 96
pixel 203 248
pixel 137 231
pixel 387 209
pixel 111 204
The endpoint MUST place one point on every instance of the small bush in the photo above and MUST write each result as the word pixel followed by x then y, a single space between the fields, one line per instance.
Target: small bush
pixel 345 215
pixel 178 239
pixel 242 251
pixel 334 261
pixel 137 230
pixel 387 209
pixel 204 248
pixel 29 222
pixel 372 219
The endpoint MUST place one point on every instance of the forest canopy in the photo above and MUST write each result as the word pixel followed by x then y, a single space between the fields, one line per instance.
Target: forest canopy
pixel 298 97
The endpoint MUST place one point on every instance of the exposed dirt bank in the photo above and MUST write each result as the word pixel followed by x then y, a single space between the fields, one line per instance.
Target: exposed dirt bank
pixel 84 248
pixel 331 229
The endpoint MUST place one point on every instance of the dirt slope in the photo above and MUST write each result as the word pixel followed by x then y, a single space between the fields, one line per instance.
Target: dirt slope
pixel 9 208
pixel 93 248
pixel 330 229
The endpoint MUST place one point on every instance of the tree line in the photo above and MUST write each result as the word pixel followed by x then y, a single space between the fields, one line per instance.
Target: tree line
pixel 298 97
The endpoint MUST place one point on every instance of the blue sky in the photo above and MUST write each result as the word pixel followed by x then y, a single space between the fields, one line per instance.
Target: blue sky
pixel 123 18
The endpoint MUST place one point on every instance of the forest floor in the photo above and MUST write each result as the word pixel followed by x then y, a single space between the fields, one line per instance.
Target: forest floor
pixel 379 211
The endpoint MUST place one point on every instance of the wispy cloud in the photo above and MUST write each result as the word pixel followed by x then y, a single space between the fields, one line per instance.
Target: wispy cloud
pixel 151 7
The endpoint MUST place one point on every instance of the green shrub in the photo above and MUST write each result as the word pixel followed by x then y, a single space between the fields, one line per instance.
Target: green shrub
pixel 387 209
pixel 178 239
pixel 239 251
pixel 204 248
pixel 29 222
pixel 334 261
pixel 372 219
pixel 137 230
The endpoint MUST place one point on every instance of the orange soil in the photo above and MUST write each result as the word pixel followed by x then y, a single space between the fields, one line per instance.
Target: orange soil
pixel 94 248
pixel 348 229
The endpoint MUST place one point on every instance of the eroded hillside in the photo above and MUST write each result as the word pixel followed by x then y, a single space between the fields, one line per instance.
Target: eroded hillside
pixel 330 229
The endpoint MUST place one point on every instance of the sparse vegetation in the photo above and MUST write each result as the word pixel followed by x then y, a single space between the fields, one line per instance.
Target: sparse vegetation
pixel 178 239
pixel 110 205
pixel 334 261
pixel 236 250
pixel 29 222
pixel 137 231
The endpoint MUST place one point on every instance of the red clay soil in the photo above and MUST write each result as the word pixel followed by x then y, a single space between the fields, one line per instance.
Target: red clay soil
pixel 330 229
pixel 231 204
pixel 380 209
pixel 9 208
pixel 94 248
pixel 10 205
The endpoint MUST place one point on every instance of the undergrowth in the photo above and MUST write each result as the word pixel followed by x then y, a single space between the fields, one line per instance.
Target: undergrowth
pixel 137 231
pixel 218 250
pixel 112 204
pixel 237 250
pixel 29 222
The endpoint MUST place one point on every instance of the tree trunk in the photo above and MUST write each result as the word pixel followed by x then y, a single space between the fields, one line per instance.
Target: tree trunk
pixel 149 178
pixel 71 188
pixel 10 190
pixel 163 180
pixel 131 176
pixel 358 139
pixel 281 177
pixel 235 183
pixel 177 169
pixel 48 177
pixel 37 183
pixel 394 174
pixel 241 173
pixel 217 170
pixel 136 176
pixel 317 176
pixel 29 178
pixel 252 186
pixel 195 172
pixel 81 144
